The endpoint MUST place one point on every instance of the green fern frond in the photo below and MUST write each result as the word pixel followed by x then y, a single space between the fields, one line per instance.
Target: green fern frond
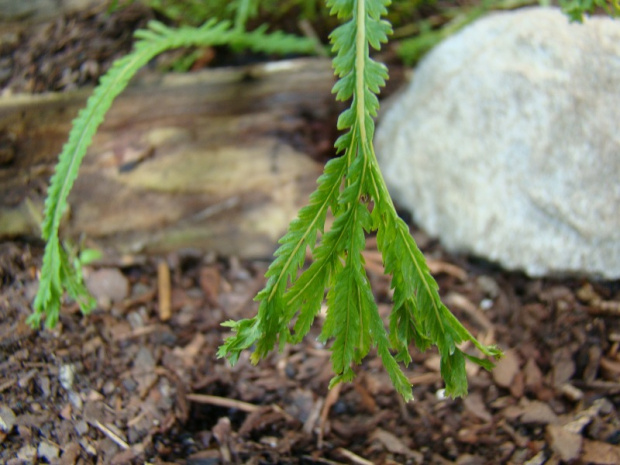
pixel 347 188
pixel 57 273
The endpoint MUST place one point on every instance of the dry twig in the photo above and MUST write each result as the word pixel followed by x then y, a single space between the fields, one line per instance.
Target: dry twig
pixel 223 402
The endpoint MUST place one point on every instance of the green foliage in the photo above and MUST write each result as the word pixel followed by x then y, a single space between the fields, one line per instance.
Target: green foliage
pixel 194 12
pixel 575 9
pixel 419 37
pixel 58 273
pixel 426 34
pixel 353 189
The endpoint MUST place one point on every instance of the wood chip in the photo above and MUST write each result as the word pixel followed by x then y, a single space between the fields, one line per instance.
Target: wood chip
pixel 437 266
pixel 474 404
pixel 538 412
pixel 313 417
pixel 266 417
pixel 563 442
pixel 600 453
pixel 163 291
pixel 585 417
pixel 210 279
pixel 591 369
pixel 354 458
pixel 571 392
pixel 70 454
pixel 425 378
pixel 7 419
pixel 113 435
pixel 563 366
pixel 610 369
pixel 48 451
pixel 506 369
pixel 533 375
pixel 454 299
pixel 221 432
pixel 144 370
pixel 330 400
pixel 394 445
pixel 223 402
pixel 189 353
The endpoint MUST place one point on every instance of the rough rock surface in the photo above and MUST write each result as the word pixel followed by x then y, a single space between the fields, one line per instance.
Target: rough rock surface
pixel 506 144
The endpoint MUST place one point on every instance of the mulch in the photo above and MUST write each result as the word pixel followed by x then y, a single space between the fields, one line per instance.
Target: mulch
pixel 138 380
pixel 129 384
pixel 67 52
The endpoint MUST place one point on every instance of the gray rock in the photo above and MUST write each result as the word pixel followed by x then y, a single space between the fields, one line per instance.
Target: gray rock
pixel 506 145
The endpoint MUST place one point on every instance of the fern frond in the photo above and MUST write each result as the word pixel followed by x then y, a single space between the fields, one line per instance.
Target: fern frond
pixel 56 274
pixel 346 188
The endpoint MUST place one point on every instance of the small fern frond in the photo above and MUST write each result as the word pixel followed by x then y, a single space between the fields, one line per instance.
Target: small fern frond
pixel 56 274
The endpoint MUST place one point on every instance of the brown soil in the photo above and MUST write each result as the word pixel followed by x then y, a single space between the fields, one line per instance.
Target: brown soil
pixel 129 385
pixel 124 386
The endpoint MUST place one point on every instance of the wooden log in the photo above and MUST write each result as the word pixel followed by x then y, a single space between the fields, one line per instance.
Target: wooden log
pixel 42 10
pixel 201 160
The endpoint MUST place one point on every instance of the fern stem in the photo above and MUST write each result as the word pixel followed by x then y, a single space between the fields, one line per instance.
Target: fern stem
pixel 360 59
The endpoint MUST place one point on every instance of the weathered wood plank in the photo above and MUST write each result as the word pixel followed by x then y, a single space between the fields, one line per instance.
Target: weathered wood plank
pixel 198 160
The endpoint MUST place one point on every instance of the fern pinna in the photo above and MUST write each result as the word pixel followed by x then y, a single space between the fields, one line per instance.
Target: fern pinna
pixel 353 188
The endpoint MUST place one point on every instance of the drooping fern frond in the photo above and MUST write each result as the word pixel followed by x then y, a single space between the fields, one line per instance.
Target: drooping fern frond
pixel 57 273
pixel 352 188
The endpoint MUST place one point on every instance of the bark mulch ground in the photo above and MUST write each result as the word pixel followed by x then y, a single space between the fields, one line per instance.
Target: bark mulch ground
pixel 138 380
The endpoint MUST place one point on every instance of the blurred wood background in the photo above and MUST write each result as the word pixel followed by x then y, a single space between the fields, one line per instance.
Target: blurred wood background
pixel 215 160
